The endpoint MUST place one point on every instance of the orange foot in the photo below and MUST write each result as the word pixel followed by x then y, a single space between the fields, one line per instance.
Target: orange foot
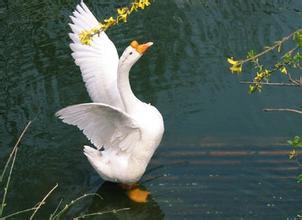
pixel 138 195
pixel 135 194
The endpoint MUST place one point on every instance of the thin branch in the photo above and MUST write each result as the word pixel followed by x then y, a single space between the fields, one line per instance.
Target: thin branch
pixel 271 84
pixel 292 50
pixel 282 110
pixel 55 211
pixel 3 204
pixel 277 44
pixel 38 206
pixel 13 151
pixel 100 213
pixel 294 81
pixel 67 206
pixel 17 213
pixel 13 155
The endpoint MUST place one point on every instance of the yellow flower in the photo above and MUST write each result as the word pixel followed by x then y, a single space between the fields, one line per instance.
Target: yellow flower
pixel 122 11
pixel 99 28
pixel 140 4
pixel 232 61
pixel 123 14
pixel 143 3
pixel 108 23
pixel 236 69
pixel 147 2
pixel 133 8
pixel 236 66
pixel 262 75
pixel 283 70
pixel 292 154
pixel 85 37
pixel 259 77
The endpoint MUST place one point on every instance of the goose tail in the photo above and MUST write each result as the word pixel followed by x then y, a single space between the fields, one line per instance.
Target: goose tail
pixel 96 159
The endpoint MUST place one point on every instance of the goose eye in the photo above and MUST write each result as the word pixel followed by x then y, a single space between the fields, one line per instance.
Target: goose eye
pixel 130 53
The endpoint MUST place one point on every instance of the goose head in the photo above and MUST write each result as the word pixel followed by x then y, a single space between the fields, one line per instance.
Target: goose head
pixel 133 52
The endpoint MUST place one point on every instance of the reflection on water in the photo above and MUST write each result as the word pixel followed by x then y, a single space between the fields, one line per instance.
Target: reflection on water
pixel 114 197
pixel 221 155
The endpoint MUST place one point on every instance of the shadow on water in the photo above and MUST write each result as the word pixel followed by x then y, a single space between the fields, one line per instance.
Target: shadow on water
pixel 114 197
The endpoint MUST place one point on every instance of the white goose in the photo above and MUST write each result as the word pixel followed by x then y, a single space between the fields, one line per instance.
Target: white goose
pixel 124 130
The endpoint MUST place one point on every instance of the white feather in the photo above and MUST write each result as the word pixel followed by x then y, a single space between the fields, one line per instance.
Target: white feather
pixel 101 56
pixel 102 124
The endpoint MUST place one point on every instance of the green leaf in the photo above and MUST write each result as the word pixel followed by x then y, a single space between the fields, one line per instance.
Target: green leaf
pixel 252 89
pixel 279 48
pixel 300 178
pixel 298 57
pixel 296 142
pixel 287 58
pixel 298 38
pixel 251 54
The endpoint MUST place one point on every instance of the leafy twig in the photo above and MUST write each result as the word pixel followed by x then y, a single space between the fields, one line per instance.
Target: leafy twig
pixel 290 59
pixel 277 44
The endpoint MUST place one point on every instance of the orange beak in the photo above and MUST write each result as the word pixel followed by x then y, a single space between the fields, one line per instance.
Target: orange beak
pixel 141 48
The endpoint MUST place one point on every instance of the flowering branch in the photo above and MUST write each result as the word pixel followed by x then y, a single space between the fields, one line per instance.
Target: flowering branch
pixel 290 59
pixel 122 16
pixel 236 65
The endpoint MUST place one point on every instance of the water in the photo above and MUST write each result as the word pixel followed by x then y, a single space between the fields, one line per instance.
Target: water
pixel 221 156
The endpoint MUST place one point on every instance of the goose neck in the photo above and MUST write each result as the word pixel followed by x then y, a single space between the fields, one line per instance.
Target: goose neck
pixel 129 99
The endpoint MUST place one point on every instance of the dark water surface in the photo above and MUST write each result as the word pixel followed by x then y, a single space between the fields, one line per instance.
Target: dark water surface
pixel 221 156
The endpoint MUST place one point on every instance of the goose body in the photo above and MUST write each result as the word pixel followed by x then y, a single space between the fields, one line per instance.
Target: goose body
pixel 125 131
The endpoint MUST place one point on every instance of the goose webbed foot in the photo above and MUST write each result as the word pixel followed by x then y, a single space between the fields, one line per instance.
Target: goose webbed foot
pixel 135 193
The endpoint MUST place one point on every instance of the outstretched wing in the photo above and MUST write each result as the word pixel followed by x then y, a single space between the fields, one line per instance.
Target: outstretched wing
pixel 98 62
pixel 104 125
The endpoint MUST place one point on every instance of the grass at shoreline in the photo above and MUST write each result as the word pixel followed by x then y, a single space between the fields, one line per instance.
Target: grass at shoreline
pixel 58 213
